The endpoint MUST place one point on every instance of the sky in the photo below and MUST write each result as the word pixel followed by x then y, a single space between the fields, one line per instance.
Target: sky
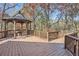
pixel 12 11
pixel 54 14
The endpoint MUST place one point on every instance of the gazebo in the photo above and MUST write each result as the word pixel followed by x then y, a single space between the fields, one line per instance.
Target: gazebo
pixel 15 31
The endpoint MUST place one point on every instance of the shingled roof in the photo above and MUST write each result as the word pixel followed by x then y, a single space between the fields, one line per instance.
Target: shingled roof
pixel 17 18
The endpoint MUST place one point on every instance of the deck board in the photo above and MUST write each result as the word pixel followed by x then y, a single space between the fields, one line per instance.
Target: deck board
pixel 18 48
pixel 32 46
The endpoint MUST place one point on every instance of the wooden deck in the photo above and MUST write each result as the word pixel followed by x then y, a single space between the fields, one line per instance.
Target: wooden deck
pixel 14 47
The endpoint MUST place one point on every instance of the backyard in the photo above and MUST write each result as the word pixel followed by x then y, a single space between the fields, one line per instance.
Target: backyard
pixel 39 29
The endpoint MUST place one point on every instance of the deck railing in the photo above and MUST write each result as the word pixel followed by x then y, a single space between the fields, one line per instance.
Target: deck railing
pixel 72 43
pixel 10 33
pixel 47 35
pixel 2 34
pixel 41 34
pixel 53 35
pixel 30 32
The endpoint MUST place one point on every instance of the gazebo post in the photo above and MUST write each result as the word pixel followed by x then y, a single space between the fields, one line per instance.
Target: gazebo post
pixel 21 29
pixel 1 24
pixel 5 28
pixel 26 27
pixel 30 25
pixel 14 28
pixel 1 28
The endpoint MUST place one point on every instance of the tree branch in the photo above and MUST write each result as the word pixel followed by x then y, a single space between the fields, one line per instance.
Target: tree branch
pixel 10 7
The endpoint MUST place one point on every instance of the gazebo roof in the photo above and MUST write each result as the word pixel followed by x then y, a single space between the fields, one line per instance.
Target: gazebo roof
pixel 10 19
pixel 18 18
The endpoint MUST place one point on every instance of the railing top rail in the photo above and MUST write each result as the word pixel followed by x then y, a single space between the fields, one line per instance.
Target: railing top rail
pixel 11 30
pixel 73 37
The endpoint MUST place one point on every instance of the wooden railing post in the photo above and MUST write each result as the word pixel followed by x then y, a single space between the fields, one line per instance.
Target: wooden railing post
pixel 47 36
pixel 65 42
pixel 76 48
